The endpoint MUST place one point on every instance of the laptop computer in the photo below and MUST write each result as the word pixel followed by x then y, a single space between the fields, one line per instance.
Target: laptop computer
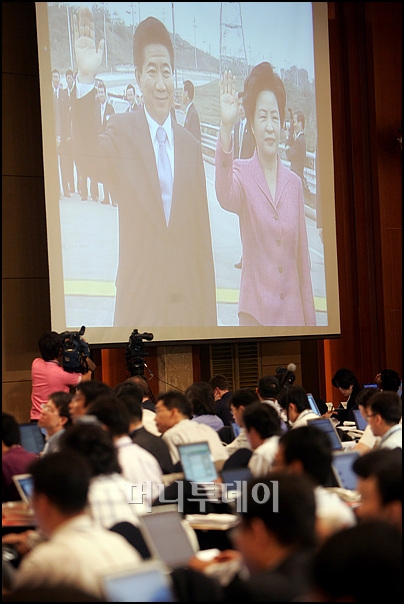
pixel 166 536
pixel 25 486
pixel 360 421
pixel 236 428
pixel 343 471
pixel 233 481
pixel 197 462
pixel 148 582
pixel 325 424
pixel 32 438
pixel 313 404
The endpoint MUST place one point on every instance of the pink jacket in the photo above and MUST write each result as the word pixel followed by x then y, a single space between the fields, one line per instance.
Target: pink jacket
pixel 275 283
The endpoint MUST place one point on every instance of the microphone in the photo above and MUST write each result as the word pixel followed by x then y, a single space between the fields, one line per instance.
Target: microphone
pixel 290 371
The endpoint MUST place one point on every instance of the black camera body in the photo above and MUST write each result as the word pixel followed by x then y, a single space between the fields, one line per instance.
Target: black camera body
pixel 74 351
pixel 135 351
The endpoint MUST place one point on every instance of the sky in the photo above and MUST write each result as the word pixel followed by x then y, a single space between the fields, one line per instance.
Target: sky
pixel 279 32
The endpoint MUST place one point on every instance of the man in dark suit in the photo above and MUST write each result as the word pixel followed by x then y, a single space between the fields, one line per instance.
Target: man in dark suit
pixel 192 122
pixel 164 248
pixel 244 141
pixel 104 110
pixel 296 154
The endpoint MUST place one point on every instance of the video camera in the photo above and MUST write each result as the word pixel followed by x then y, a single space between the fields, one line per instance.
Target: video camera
pixel 75 351
pixel 135 351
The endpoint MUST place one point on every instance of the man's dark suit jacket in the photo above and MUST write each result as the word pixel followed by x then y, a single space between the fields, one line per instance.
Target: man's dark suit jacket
pixel 156 446
pixel 192 122
pixel 247 143
pixel 296 154
pixel 173 263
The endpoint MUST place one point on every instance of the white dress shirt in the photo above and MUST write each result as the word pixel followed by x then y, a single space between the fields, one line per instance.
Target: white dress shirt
pixel 188 431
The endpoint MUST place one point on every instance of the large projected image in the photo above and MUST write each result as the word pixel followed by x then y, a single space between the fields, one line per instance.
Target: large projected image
pixel 184 147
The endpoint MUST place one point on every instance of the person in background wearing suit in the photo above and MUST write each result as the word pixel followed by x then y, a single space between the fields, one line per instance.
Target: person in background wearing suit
pixel 275 286
pixel 130 95
pixel 222 395
pixel 296 153
pixel 158 184
pixel 106 110
pixel 192 122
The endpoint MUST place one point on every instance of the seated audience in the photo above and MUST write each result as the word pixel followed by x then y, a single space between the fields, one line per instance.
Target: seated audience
pixel 222 395
pixel 201 397
pixel 134 385
pixel 15 459
pixel 367 440
pixel 263 428
pixel 348 385
pixel 77 551
pixel 141 381
pixel 293 399
pixel 238 402
pixel 268 390
pixel 85 393
pixel 173 420
pixel 54 419
pixel 384 417
pixel 307 450
pixel 388 379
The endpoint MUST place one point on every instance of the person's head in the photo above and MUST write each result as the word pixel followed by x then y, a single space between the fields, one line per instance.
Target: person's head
pixel 384 411
pixel 86 392
pixel 380 485
pixel 345 380
pixel 305 449
pixel 130 94
pixel 264 100
pixel 153 57
pixel 101 92
pixel 240 106
pixel 55 414
pixel 95 444
pixel 240 399
pixel 293 399
pixel 56 78
pixel 260 422
pixel 279 515
pixel 299 121
pixel 388 379
pixel 10 430
pixel 112 413
pixel 219 384
pixel 171 407
pixel 50 346
pixel 60 487
pixel 69 78
pixel 359 564
pixel 188 92
pixel 200 395
pixel 141 381
pixel 268 387
pixel 132 395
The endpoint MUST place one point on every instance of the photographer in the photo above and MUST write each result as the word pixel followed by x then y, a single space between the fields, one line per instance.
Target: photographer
pixel 48 375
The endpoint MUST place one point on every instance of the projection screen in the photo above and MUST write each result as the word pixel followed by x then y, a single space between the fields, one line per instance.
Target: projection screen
pixel 118 265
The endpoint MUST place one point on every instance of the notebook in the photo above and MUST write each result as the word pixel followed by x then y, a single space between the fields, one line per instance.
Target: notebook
pixel 25 486
pixel 360 421
pixel 166 536
pixel 148 582
pixel 343 471
pixel 236 428
pixel 234 481
pixel 313 404
pixel 325 424
pixel 32 438
pixel 197 462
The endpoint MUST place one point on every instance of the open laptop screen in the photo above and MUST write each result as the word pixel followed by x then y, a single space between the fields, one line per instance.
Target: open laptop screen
pixel 32 438
pixel 148 582
pixel 25 486
pixel 325 424
pixel 197 462
pixel 360 421
pixel 313 404
pixel 342 467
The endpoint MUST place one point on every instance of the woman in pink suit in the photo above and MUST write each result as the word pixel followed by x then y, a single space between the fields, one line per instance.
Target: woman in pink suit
pixel 275 286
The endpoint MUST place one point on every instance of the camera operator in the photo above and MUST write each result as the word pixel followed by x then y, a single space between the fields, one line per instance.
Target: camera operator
pixel 48 375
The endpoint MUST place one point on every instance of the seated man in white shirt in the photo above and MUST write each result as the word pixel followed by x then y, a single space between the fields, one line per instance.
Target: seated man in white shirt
pixel 263 428
pixel 384 417
pixel 293 399
pixel 78 551
pixel 238 402
pixel 173 420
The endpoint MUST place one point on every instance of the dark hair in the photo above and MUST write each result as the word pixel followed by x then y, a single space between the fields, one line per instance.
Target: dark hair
pixel 64 477
pixel 219 381
pixel 131 395
pixel 10 430
pixel 50 345
pixel 264 418
pixel 70 72
pixel 150 31
pixel 294 522
pixel 296 395
pixel 91 389
pixel 263 77
pixel 388 405
pixel 174 399
pixel 111 412
pixel 312 448
pixel 364 395
pixel 269 386
pixel 390 380
pixel 344 378
pixel 130 87
pixel 62 400
pixel 386 465
pixel 200 395
pixel 243 397
pixel 141 381
pixel 95 444
pixel 101 84
pixel 189 88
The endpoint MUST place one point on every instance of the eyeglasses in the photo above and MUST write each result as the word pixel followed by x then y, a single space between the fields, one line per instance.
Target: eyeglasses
pixel 48 409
